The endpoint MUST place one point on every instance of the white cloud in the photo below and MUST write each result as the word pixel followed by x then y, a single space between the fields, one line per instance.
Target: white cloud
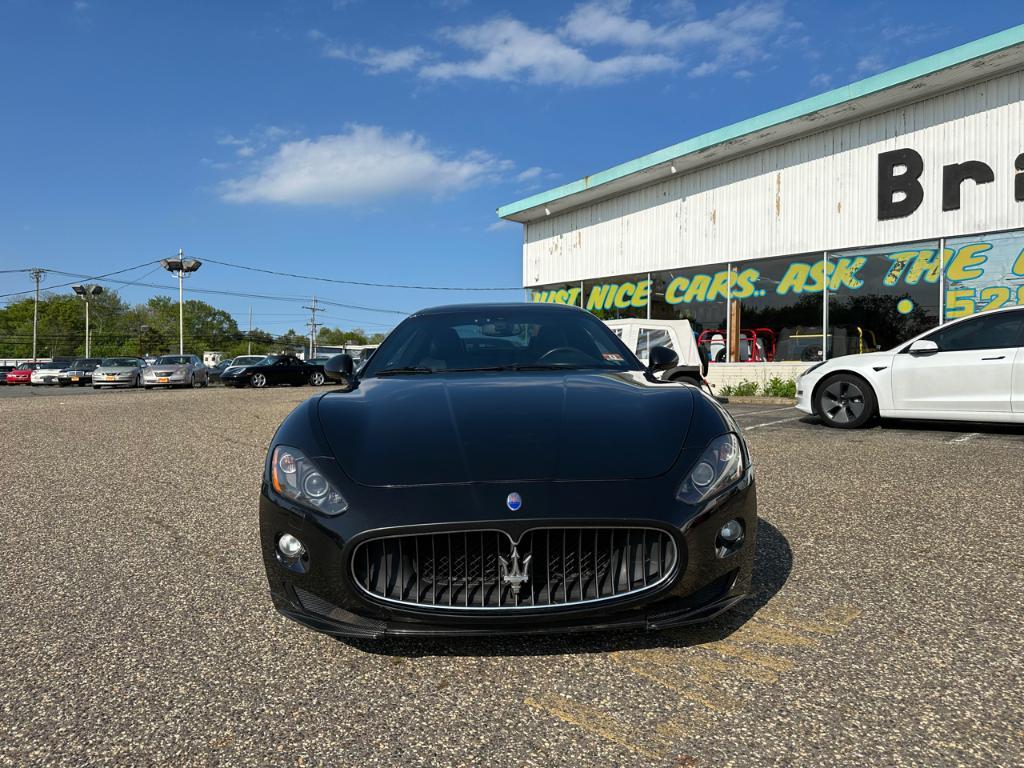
pixel 529 173
pixel 508 50
pixel 871 64
pixel 376 60
pixel 359 164
pixel 821 81
pixel 733 36
pixel 597 43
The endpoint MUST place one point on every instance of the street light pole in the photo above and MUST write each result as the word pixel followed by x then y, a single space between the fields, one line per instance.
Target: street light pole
pixel 181 266
pixel 85 291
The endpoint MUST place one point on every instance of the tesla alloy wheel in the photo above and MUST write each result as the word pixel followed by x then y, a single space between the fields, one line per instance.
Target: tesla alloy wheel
pixel 845 401
pixel 259 380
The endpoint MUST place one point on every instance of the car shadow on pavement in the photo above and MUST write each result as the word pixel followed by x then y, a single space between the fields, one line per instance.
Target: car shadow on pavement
pixel 772 566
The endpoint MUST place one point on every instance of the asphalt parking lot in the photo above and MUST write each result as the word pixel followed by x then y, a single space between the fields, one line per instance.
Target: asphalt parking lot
pixel 886 630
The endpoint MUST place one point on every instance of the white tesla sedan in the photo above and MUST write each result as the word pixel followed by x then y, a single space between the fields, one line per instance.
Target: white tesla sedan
pixel 970 369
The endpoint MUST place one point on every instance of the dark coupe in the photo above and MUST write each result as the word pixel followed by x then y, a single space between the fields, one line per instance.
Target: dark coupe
pixel 499 469
pixel 273 370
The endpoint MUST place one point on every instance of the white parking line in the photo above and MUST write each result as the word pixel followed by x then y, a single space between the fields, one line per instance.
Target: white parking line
pixel 737 415
pixel 963 438
pixel 771 423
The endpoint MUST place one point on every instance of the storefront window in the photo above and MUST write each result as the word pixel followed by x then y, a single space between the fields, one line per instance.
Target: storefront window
pixel 615 298
pixel 777 304
pixel 984 272
pixel 698 295
pixel 880 297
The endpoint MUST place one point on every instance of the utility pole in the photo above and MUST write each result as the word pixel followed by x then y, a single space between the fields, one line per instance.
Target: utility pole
pixel 250 329
pixel 37 275
pixel 313 325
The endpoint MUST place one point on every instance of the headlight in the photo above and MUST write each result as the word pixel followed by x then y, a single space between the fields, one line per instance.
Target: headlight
pixel 296 477
pixel 816 365
pixel 720 465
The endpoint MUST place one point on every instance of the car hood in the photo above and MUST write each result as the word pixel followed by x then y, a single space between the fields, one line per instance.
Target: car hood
pixel 114 369
pixel 484 427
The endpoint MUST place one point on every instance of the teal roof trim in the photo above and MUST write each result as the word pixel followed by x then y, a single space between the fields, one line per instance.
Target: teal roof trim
pixel 880 82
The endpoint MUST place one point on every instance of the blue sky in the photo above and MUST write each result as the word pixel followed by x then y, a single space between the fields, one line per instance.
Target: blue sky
pixel 372 140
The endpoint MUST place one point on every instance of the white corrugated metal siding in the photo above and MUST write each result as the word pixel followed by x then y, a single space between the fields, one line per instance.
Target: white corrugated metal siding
pixel 815 193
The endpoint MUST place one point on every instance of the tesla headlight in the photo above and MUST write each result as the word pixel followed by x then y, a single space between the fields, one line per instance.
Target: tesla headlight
pixel 296 477
pixel 719 466
pixel 808 370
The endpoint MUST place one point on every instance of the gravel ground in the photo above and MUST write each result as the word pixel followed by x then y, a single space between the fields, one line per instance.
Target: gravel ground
pixel 887 629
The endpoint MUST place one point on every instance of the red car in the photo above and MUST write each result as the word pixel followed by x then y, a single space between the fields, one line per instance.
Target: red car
pixel 23 373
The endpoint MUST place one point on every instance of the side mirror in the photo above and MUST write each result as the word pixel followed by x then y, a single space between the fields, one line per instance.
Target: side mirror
pixel 340 368
pixel 923 347
pixel 661 359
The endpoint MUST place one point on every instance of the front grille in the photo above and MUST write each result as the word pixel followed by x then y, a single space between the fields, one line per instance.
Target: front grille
pixel 484 569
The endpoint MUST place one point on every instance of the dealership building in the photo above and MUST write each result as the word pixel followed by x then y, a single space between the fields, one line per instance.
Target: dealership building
pixel 843 223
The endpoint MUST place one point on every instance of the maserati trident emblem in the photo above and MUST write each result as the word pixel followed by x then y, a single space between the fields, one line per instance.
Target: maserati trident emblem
pixel 514 501
pixel 515 575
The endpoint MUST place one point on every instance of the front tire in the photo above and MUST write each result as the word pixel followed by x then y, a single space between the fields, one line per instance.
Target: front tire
pixel 316 379
pixel 845 401
pixel 258 380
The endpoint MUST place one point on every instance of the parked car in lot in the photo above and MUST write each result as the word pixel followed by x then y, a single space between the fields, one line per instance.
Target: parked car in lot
pixel 4 370
pixel 274 370
pixel 218 369
pixel 643 335
pixel 176 371
pixel 79 372
pixel 236 364
pixel 22 374
pixel 472 480
pixel 48 373
pixel 119 372
pixel 971 369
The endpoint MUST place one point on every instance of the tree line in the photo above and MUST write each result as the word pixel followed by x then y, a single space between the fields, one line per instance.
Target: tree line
pixel 118 328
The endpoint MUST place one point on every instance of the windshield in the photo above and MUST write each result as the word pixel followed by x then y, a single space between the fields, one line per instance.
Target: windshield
pixel 501 338
pixel 268 360
pixel 247 360
pixel 173 360
pixel 119 362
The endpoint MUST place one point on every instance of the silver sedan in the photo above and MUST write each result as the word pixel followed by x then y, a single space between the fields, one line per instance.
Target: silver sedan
pixel 176 371
pixel 118 372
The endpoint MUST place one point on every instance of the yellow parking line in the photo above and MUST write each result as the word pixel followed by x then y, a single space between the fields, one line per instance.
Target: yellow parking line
pixel 844 615
pixel 713 668
pixel 599 723
pixel 689 684
pixel 768 634
pixel 817 627
pixel 725 648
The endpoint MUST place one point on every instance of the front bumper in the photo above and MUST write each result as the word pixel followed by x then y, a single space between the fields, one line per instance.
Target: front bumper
pixel 322 594
pixel 173 380
pixel 117 380
pixel 45 378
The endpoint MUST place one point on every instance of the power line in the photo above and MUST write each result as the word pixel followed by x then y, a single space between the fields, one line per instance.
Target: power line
pixel 357 282
pixel 80 277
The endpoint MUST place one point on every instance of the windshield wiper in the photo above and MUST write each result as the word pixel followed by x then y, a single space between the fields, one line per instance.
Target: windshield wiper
pixel 404 369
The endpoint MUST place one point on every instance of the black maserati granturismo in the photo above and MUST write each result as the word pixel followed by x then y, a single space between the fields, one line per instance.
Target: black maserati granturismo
pixel 506 468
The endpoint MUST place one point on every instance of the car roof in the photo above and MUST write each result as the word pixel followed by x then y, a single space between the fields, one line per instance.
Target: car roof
pixel 497 307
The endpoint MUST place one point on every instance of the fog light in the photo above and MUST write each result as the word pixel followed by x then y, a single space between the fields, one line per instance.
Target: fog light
pixel 290 547
pixel 732 531
pixel 730 538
